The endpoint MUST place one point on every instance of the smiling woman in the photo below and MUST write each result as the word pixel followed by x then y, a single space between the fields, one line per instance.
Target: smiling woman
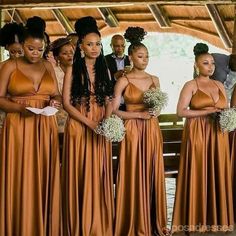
pixel 29 154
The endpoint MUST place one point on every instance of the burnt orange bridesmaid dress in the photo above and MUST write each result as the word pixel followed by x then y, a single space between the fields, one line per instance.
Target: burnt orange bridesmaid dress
pixel 87 184
pixel 29 163
pixel 204 188
pixel 140 187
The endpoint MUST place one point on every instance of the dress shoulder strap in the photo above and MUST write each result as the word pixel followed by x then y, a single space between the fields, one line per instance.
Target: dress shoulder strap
pixel 126 78
pixel 196 83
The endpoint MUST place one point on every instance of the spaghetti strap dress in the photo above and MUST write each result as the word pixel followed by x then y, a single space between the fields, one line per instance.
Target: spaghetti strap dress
pixel 29 162
pixel 203 200
pixel 140 187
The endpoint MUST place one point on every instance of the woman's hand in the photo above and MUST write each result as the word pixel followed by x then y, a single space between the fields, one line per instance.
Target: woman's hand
pixel 55 103
pixel 144 115
pixel 92 124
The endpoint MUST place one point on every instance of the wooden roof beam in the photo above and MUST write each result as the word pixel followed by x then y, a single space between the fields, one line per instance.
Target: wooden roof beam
pixel 63 20
pixel 90 3
pixel 15 16
pixel 159 15
pixel 108 16
pixel 219 24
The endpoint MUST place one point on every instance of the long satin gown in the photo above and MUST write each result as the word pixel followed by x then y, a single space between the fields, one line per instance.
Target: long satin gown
pixel 87 184
pixel 140 188
pixel 204 188
pixel 232 137
pixel 29 163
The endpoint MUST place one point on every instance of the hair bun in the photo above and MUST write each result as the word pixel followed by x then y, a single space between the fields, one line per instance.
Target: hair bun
pixel 134 34
pixel 36 23
pixel 86 25
pixel 200 48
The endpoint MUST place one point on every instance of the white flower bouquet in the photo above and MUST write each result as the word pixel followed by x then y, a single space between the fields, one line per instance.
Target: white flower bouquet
pixel 156 99
pixel 112 128
pixel 227 119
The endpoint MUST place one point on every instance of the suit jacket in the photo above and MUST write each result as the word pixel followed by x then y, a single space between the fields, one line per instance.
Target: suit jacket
pixel 111 64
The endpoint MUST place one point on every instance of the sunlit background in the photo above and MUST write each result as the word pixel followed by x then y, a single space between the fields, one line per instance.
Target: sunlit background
pixel 171 59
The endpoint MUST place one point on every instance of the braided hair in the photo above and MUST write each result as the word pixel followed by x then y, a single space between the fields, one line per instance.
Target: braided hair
pixel 134 35
pixel 81 86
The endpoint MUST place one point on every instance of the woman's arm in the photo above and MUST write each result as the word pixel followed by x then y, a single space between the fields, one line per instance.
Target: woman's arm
pixel 5 104
pixel 73 112
pixel 119 88
pixel 184 101
pixel 56 99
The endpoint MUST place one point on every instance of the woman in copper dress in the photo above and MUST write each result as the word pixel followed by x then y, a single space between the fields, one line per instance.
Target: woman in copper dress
pixel 204 188
pixel 140 186
pixel 29 157
pixel 232 138
pixel 11 37
pixel 87 184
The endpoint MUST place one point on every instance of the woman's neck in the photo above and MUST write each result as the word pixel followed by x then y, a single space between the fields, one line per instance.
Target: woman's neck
pixel 90 62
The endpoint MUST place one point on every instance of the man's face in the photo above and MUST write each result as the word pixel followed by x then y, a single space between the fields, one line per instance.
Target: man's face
pixel 118 47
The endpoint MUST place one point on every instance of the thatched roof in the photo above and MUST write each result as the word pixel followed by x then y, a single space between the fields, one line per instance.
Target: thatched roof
pixel 212 21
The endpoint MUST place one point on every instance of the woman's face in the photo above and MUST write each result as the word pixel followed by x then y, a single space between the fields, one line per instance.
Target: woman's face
pixel 140 58
pixel 66 55
pixel 91 45
pixel 33 49
pixel 205 64
pixel 15 50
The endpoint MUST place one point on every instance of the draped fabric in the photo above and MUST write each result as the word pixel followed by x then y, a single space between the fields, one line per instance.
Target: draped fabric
pixel 87 181
pixel 29 163
pixel 140 198
pixel 203 199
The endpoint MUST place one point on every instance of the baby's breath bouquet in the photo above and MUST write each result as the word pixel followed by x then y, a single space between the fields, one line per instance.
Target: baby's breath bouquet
pixel 155 98
pixel 227 119
pixel 112 128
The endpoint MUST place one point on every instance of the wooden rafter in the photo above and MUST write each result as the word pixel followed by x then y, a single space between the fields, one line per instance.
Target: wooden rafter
pixel 108 16
pixel 219 24
pixel 159 15
pixel 15 16
pixel 47 3
pixel 63 20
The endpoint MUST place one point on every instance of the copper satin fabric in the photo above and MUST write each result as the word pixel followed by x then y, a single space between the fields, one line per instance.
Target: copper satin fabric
pixel 87 181
pixel 232 137
pixel 29 164
pixel 140 194
pixel 204 187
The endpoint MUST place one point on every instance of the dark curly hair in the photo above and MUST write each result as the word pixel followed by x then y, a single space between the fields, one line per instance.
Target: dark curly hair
pixel 200 49
pixel 11 33
pixel 35 27
pixel 81 86
pixel 134 35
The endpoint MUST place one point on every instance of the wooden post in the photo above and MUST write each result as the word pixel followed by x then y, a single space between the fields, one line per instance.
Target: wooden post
pixel 234 33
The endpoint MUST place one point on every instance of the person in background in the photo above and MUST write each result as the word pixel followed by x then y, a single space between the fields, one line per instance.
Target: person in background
pixel 11 37
pixel 140 187
pixel 87 181
pixel 29 150
pixel 203 200
pixel 74 39
pixel 63 53
pixel 117 61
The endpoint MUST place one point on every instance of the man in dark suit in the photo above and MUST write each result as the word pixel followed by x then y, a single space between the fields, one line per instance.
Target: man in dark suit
pixel 117 62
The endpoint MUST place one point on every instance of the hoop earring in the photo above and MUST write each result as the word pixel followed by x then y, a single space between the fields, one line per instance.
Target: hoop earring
pixel 82 53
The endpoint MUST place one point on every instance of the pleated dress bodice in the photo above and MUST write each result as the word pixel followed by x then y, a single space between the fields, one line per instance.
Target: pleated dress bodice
pixel 201 100
pixel 21 88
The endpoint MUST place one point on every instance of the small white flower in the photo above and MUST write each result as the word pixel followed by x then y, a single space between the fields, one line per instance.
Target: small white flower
pixel 112 128
pixel 228 119
pixel 155 98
